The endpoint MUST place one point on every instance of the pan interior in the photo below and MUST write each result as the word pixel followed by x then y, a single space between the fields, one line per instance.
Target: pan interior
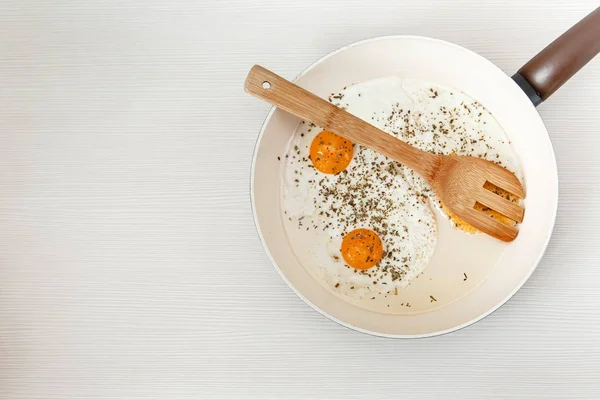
pixel 448 65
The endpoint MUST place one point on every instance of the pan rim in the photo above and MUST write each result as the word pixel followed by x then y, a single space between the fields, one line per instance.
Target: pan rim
pixel 554 168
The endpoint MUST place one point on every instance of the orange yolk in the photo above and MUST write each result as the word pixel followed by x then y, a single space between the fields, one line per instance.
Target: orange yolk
pixel 362 248
pixel 330 153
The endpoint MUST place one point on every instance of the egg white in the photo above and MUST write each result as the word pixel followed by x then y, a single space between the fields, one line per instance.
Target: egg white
pixel 386 196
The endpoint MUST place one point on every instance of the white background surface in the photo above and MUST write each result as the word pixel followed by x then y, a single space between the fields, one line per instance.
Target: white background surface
pixel 129 263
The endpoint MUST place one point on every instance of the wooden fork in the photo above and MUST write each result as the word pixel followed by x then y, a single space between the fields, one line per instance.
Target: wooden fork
pixel 457 180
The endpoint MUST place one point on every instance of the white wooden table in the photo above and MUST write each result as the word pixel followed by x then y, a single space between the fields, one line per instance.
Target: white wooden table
pixel 129 263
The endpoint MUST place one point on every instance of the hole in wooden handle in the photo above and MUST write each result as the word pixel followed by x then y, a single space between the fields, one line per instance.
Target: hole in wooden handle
pixel 266 85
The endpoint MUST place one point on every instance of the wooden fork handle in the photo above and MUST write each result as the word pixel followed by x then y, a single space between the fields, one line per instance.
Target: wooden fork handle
pixel 283 94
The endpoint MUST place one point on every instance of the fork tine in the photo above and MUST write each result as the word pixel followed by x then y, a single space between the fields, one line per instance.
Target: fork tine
pixel 489 225
pixel 506 180
pixel 501 205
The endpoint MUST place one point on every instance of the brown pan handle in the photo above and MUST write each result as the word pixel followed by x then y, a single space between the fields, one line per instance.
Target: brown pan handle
pixel 558 62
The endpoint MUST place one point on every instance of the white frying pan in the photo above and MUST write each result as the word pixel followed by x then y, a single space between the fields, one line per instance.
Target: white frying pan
pixel 511 100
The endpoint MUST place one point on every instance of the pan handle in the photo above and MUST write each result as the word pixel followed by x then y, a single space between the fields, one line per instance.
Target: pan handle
pixel 561 59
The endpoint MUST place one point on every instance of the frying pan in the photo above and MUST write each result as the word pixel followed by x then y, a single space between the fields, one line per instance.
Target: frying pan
pixel 512 101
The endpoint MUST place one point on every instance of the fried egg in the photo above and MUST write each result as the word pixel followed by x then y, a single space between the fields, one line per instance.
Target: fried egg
pixel 363 225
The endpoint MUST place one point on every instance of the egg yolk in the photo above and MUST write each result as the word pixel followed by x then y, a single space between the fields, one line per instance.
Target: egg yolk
pixel 330 153
pixel 362 248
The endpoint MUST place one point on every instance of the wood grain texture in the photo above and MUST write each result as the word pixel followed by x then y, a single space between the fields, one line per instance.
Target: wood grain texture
pixel 458 181
pixel 129 263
